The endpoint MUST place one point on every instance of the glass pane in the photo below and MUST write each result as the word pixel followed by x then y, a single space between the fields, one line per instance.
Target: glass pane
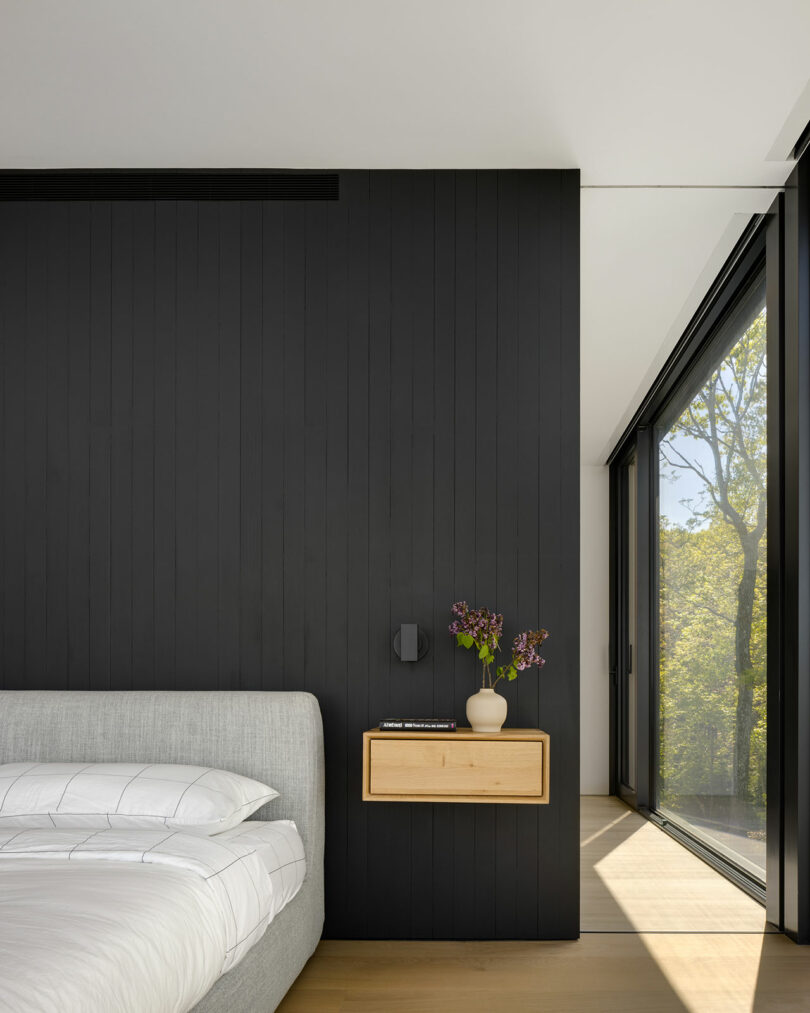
pixel 712 618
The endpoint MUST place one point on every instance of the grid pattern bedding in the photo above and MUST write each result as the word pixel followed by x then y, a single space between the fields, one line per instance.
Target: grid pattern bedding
pixel 280 847
pixel 200 800
pixel 129 920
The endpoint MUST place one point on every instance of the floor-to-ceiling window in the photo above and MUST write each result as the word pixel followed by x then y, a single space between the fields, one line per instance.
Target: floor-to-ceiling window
pixel 696 572
pixel 710 573
pixel 710 717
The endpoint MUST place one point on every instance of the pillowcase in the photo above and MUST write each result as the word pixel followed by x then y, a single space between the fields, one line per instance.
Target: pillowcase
pixel 197 800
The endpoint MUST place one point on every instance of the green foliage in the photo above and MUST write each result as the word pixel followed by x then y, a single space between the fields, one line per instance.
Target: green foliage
pixel 712 581
pixel 698 680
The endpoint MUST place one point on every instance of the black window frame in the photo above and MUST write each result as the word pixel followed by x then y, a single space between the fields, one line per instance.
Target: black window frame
pixel 758 251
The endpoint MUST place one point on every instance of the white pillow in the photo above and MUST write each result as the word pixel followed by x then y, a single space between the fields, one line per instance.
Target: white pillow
pixel 198 800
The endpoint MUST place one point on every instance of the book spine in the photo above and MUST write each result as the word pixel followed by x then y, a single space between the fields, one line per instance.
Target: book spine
pixel 417 726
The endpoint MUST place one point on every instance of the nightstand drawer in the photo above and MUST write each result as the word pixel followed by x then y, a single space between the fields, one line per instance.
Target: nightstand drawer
pixel 420 767
pixel 463 769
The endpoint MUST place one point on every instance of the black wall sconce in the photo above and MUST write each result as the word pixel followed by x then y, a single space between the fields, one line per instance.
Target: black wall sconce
pixel 410 642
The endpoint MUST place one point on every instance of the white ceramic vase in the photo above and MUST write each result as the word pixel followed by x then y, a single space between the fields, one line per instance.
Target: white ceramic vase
pixel 486 711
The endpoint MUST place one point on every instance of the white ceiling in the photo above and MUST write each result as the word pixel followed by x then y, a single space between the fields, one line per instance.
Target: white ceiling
pixel 633 92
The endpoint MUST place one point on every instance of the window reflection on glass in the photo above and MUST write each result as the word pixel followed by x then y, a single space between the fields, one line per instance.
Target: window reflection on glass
pixel 712 603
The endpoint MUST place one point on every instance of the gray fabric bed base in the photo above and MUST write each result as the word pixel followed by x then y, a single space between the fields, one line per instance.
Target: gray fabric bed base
pixel 274 737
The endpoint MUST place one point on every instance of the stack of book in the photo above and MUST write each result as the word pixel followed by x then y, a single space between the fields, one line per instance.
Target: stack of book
pixel 417 725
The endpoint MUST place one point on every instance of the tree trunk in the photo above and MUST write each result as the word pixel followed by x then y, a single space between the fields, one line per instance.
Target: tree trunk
pixel 744 668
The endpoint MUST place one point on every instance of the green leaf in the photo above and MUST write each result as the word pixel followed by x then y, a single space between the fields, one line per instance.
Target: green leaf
pixel 482 654
pixel 511 673
pixel 466 640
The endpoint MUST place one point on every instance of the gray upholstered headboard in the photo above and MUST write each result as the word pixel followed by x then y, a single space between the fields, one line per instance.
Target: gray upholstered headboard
pixel 274 737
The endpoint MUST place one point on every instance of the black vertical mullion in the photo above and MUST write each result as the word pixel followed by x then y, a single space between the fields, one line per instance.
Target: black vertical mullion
pixel 646 619
pixel 774 274
pixel 796 568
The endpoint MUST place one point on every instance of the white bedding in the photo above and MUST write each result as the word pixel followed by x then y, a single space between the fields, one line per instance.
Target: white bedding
pixel 124 920
pixel 280 847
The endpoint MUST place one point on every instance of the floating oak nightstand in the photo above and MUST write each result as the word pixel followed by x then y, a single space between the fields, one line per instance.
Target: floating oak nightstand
pixel 463 766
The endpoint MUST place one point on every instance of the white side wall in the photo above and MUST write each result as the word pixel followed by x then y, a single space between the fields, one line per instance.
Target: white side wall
pixel 594 639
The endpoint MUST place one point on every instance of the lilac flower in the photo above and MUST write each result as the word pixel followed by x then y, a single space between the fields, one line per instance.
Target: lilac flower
pixel 482 629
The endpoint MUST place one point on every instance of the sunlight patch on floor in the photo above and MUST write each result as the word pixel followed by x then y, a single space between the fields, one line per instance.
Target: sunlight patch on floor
pixel 636 878
pixel 709 973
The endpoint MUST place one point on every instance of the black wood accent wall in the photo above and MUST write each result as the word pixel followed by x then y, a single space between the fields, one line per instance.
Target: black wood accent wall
pixel 242 441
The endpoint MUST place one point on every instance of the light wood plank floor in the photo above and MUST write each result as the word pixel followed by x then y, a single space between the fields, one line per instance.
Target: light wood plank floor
pixel 661 932
pixel 637 878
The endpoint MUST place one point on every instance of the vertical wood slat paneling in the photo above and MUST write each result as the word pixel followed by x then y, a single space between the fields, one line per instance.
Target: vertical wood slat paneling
pixel 507 476
pixel 229 331
pixel 13 265
pixel 443 651
pixel 56 470
pixel 359 592
pixel 143 448
pixel 35 409
pixel 243 441
pixel 78 426
pixel 121 340
pixel 333 687
pixel 274 392
pixel 188 660
pixel 100 272
pixel 464 866
pixel 206 620
pixel 251 261
pixel 166 406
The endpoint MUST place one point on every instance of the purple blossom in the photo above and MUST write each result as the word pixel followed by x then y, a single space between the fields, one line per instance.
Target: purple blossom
pixel 484 628
pixel 525 648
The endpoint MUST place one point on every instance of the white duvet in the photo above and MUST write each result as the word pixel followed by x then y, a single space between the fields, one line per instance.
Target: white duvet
pixel 124 920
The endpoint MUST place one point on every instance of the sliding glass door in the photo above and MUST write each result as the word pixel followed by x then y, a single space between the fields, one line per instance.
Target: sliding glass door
pixel 709 716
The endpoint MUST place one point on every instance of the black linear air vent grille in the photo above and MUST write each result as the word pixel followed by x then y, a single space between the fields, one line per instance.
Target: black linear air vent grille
pixel 166 184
